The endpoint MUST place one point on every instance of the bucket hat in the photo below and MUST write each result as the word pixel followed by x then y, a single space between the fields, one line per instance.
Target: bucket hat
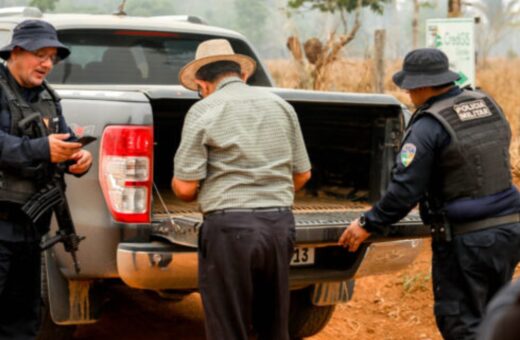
pixel 424 67
pixel 31 35
pixel 211 51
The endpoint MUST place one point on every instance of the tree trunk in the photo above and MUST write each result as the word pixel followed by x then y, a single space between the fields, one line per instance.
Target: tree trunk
pixel 415 24
pixel 454 8
pixel 379 61
pixel 295 47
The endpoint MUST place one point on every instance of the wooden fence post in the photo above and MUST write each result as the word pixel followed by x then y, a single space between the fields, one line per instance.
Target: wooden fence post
pixel 379 61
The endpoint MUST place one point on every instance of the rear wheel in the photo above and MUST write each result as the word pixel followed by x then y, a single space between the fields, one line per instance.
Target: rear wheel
pixel 306 319
pixel 48 329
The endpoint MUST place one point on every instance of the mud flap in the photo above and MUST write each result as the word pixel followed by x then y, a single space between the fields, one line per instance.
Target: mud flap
pixel 331 293
pixel 71 302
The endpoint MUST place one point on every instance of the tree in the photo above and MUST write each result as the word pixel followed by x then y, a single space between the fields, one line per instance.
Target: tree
pixel 454 8
pixel 343 7
pixel 320 54
pixel 251 19
pixel 501 17
pixel 417 4
pixel 44 5
pixel 150 7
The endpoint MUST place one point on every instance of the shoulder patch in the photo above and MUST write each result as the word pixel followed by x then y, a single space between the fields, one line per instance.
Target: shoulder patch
pixel 408 154
pixel 472 110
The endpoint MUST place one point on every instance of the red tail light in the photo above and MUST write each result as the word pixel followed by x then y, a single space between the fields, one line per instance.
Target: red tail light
pixel 126 171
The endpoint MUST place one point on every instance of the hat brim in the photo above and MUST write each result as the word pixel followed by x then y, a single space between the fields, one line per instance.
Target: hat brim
pixel 34 45
pixel 188 72
pixel 410 81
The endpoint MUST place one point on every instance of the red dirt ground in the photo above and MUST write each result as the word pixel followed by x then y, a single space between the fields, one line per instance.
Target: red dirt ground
pixel 396 306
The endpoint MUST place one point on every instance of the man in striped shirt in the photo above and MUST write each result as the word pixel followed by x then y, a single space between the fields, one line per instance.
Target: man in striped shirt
pixel 242 155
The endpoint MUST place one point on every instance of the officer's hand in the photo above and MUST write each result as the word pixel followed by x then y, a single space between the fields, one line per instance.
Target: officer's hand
pixel 83 160
pixel 353 236
pixel 61 150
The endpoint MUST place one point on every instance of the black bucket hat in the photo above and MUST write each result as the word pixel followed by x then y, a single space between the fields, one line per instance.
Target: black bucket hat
pixel 424 67
pixel 31 35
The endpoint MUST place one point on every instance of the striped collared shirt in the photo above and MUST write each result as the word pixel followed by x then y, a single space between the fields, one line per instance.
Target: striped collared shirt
pixel 244 144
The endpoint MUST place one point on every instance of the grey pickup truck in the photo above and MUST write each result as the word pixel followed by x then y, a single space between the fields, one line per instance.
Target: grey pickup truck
pixel 120 84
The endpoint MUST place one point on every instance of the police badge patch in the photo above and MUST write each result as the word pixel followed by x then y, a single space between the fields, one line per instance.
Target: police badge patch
pixel 407 154
pixel 472 110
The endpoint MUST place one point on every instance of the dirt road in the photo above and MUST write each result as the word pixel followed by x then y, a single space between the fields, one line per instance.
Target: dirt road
pixel 387 307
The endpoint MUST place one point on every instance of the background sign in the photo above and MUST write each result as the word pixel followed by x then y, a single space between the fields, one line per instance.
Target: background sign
pixel 456 38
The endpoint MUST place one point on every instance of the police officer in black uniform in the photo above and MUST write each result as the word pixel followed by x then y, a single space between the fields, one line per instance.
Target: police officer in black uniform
pixel 454 161
pixel 25 153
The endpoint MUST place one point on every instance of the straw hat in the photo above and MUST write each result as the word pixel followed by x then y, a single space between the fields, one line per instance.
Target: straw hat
pixel 211 51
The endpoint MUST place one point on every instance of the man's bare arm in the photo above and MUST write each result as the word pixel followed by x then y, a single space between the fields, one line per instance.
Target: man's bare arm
pixel 185 190
pixel 299 179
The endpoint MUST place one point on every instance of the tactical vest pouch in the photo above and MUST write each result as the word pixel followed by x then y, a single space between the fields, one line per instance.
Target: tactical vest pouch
pixel 14 189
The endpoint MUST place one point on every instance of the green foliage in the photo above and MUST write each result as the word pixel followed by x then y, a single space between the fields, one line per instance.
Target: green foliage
pixel 338 5
pixel 44 5
pixel 150 7
pixel 428 4
pixel 248 12
pixel 417 281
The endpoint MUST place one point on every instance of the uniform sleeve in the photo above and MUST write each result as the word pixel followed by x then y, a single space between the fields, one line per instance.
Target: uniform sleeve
pixel 301 162
pixel 190 160
pixel 411 174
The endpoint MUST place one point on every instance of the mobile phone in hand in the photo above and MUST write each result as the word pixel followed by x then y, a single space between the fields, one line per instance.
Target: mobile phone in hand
pixel 84 140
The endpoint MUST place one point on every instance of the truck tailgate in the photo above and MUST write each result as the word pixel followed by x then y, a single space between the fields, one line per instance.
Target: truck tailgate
pixel 320 225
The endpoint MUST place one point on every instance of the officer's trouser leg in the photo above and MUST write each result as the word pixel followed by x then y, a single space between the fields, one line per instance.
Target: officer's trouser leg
pixel 467 272
pixel 20 300
pixel 243 274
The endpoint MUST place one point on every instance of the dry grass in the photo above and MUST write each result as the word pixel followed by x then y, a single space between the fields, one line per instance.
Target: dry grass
pixel 501 79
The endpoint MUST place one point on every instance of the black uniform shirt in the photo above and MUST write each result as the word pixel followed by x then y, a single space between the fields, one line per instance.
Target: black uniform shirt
pixel 415 171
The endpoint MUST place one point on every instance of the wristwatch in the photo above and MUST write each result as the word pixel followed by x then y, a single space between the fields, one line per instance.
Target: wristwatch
pixel 362 220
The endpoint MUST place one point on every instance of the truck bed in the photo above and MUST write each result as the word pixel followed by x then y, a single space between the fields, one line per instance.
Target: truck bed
pixel 319 219
pixel 304 203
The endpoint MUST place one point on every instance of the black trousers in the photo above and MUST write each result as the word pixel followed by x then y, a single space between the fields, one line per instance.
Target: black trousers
pixel 467 272
pixel 20 300
pixel 244 274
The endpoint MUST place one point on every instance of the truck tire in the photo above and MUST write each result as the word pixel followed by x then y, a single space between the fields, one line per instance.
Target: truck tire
pixel 48 329
pixel 306 319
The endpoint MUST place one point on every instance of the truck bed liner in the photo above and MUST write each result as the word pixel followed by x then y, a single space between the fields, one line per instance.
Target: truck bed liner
pixel 318 220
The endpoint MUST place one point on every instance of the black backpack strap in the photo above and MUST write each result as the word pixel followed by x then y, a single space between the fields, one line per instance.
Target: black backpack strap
pixel 18 106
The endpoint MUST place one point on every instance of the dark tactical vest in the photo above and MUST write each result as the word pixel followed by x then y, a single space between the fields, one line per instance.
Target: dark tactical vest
pixel 17 185
pixel 476 162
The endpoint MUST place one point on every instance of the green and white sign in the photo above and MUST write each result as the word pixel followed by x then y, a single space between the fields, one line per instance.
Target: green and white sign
pixel 456 38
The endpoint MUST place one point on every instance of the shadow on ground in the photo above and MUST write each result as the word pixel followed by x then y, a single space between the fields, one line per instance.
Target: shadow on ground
pixel 136 315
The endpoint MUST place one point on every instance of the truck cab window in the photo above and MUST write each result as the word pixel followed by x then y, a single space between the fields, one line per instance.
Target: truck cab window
pixel 133 57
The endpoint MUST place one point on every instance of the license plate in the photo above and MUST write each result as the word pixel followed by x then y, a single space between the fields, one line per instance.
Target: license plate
pixel 302 256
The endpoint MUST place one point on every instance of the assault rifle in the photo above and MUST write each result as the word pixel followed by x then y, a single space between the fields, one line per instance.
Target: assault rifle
pixel 52 196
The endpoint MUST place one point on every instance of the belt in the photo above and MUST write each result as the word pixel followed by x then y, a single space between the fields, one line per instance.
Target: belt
pixel 247 210
pixel 463 228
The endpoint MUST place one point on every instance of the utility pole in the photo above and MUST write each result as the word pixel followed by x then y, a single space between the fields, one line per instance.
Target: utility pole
pixel 454 8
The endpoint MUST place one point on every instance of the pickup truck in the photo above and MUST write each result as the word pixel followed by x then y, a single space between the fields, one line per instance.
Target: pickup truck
pixel 120 84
